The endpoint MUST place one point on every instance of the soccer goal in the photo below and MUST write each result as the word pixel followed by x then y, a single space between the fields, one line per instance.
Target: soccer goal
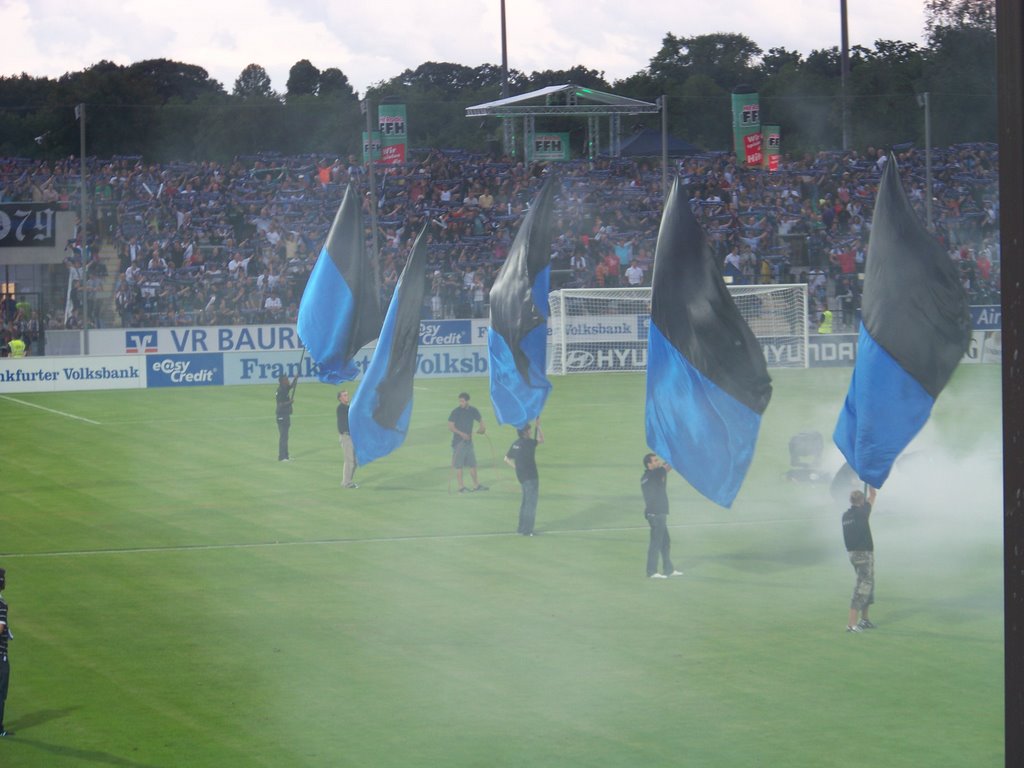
pixel 605 329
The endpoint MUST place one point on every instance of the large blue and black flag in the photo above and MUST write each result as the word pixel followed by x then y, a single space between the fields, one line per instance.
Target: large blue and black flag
pixel 707 380
pixel 380 412
pixel 340 307
pixel 915 328
pixel 517 338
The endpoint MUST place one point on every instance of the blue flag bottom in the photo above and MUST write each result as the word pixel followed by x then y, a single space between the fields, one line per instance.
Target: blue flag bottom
pixel 703 432
pixel 325 321
pixel 371 439
pixel 884 409
pixel 516 401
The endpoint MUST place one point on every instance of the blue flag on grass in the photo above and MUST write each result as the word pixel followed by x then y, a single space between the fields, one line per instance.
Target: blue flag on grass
pixel 518 336
pixel 379 417
pixel 340 308
pixel 707 380
pixel 915 328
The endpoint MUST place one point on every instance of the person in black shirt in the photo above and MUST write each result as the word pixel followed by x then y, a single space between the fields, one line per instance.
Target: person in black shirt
pixel 523 456
pixel 285 398
pixel 345 440
pixel 460 424
pixel 5 666
pixel 861 549
pixel 656 511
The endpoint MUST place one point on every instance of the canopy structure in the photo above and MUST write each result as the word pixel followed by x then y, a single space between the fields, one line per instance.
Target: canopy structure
pixel 565 100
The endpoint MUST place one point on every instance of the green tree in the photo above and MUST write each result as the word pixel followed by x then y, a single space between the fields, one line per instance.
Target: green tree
pixel 334 84
pixel 254 82
pixel 168 79
pixel 882 92
pixel 586 78
pixel 728 59
pixel 303 79
pixel 960 73
pixel 959 14
pixel 773 62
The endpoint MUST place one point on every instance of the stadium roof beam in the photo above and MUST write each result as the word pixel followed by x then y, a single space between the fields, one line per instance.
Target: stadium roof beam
pixel 565 101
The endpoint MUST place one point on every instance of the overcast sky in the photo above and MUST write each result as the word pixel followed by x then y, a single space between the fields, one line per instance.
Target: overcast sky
pixel 618 37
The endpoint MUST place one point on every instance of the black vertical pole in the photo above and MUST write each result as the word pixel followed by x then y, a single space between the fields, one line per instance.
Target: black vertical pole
pixel 1010 65
pixel 844 71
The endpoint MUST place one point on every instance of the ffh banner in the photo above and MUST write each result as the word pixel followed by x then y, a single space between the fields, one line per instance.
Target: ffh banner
pixel 393 130
pixel 746 124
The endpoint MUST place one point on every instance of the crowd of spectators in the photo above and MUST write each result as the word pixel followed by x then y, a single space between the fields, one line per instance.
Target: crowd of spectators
pixel 208 243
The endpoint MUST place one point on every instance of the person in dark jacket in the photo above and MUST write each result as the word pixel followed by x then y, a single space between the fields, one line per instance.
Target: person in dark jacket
pixel 522 456
pixel 285 397
pixel 345 440
pixel 5 666
pixel 653 484
pixel 861 549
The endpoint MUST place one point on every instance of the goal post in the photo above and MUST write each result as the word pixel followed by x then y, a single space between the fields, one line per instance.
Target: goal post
pixel 605 329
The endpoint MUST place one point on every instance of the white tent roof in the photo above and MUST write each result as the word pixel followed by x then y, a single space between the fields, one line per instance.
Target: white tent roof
pixel 574 103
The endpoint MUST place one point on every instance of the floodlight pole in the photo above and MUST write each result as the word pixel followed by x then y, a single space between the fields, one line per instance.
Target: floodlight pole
pixel 662 102
pixel 507 139
pixel 1010 71
pixel 928 156
pixel 83 230
pixel 844 71
pixel 372 182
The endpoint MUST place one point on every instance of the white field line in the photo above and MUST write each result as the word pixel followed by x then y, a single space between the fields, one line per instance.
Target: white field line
pixel 49 410
pixel 371 540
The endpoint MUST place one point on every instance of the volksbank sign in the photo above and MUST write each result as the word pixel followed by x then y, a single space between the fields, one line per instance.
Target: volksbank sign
pixel 59 374
pixel 266 367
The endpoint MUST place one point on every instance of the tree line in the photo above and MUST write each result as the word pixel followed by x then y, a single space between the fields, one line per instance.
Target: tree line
pixel 164 110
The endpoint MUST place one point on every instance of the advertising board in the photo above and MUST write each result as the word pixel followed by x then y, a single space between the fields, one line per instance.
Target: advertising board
pixel 59 374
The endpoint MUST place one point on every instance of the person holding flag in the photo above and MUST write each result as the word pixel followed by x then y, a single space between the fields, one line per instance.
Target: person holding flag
pixel 861 550
pixel 522 455
pixel 653 485
pixel 285 397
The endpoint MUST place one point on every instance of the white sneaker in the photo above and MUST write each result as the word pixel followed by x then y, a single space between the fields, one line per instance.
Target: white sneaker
pixel 676 573
pixel 657 576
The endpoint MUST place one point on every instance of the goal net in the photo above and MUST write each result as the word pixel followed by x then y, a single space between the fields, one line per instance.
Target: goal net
pixel 605 329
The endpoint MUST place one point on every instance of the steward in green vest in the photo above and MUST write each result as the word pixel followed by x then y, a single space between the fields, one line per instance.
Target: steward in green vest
pixel 826 322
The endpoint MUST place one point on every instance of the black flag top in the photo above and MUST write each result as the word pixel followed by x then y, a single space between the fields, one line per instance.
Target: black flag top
pixel 340 308
pixel 693 309
pixel 514 311
pixel 914 304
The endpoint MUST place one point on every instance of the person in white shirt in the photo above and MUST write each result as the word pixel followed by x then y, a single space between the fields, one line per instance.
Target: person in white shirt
pixel 634 274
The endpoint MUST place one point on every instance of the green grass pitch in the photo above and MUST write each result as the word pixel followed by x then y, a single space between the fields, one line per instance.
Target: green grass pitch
pixel 180 598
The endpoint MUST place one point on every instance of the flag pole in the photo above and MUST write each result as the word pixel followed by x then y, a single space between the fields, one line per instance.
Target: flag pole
pixel 298 371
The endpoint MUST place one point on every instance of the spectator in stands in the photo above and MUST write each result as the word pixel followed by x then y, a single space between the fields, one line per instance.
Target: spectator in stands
pixel 277 210
pixel 580 268
pixel 634 274
pixel 272 308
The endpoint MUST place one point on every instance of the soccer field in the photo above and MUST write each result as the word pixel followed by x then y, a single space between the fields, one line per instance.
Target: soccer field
pixel 180 598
